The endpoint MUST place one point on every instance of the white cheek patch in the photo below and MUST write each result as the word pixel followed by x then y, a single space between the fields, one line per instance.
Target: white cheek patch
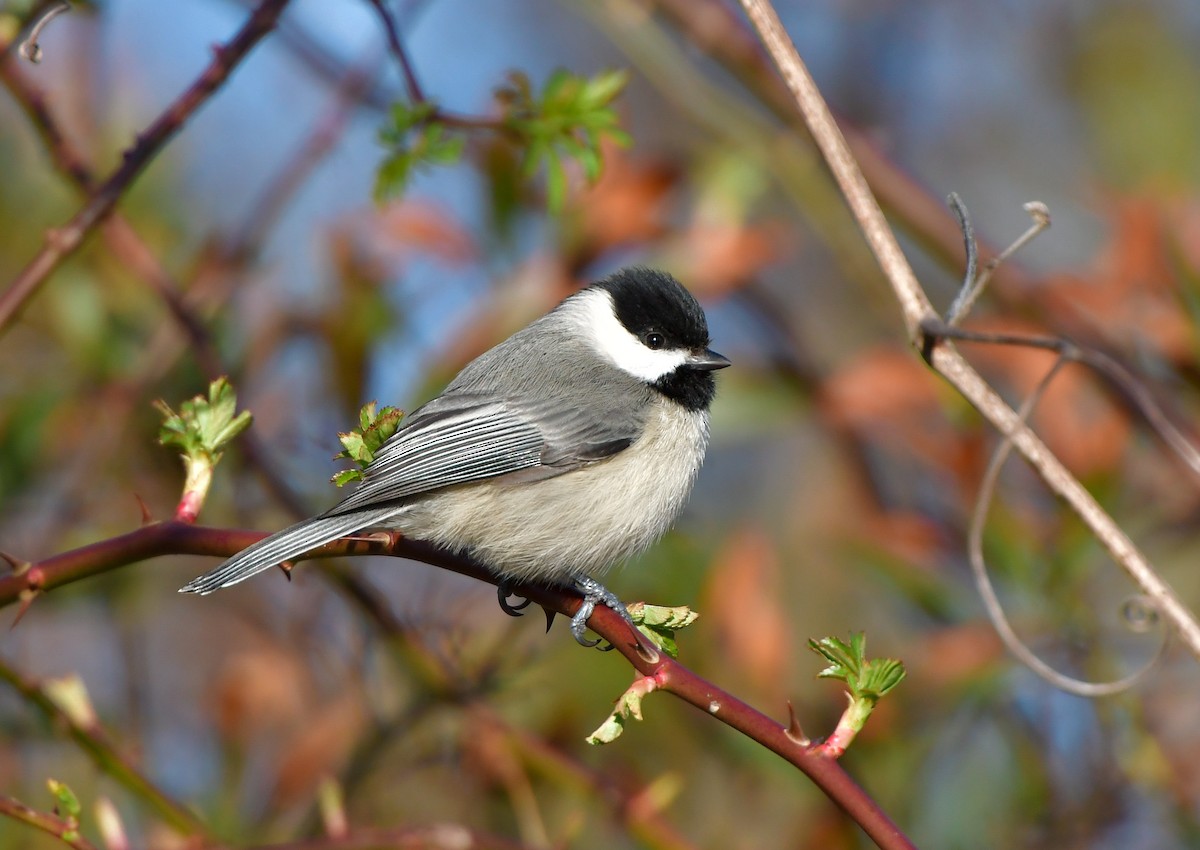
pixel 617 345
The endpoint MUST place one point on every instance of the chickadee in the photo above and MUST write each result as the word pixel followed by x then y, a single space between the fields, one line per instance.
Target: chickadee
pixel 565 449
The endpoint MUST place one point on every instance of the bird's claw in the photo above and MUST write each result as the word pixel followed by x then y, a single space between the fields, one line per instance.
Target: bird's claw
pixel 594 592
pixel 503 592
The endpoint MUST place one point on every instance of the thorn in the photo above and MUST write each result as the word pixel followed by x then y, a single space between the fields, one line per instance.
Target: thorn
pixel 287 567
pixel 549 619
pixel 793 731
pixel 644 650
pixel 27 596
pixel 18 566
pixel 147 518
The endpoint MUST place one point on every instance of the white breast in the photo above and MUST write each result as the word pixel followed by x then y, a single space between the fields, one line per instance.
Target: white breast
pixel 582 522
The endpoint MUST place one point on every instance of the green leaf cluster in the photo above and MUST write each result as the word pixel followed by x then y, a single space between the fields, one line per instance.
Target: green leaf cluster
pixel 66 806
pixel 568 120
pixel 375 427
pixel 866 679
pixel 203 427
pixel 628 705
pixel 415 139
pixel 660 623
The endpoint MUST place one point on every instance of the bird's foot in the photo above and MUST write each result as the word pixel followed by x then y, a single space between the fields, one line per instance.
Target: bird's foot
pixel 504 593
pixel 594 592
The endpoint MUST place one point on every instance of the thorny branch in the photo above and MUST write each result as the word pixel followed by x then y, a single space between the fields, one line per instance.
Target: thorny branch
pixel 944 358
pixel 173 537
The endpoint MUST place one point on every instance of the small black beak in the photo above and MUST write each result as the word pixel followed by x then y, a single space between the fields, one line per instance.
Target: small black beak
pixel 706 360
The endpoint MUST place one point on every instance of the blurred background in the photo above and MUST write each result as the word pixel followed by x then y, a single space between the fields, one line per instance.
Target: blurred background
pixel 839 483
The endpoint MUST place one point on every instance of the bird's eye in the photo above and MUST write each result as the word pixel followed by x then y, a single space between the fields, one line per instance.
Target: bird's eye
pixel 654 341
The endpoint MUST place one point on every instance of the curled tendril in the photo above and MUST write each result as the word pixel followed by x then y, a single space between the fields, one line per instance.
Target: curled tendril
pixel 1139 612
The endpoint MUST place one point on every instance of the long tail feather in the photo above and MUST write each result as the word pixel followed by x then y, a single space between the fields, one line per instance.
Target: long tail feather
pixel 285 545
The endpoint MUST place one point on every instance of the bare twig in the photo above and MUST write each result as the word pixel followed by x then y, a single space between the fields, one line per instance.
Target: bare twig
pixel 973 287
pixel 715 27
pixel 970 288
pixel 62 242
pixel 945 359
pixel 1130 388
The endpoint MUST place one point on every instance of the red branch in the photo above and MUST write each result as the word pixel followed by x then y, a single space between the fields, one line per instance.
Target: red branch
pixel 63 241
pixel 177 538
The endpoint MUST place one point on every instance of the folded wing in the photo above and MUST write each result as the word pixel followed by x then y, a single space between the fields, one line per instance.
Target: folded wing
pixel 456 439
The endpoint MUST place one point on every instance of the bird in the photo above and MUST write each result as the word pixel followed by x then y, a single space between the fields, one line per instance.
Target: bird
pixel 562 451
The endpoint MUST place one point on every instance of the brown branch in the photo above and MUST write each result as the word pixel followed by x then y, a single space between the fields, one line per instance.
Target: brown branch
pixel 60 828
pixel 63 241
pixel 945 359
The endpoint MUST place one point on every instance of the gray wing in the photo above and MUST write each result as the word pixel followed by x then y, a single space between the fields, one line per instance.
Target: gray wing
pixel 464 437
pixel 455 439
